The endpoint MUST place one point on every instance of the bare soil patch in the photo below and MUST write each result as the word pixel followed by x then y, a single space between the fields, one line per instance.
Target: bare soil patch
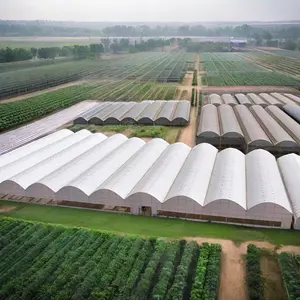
pixel 188 79
pixel 273 284
pixel 177 94
pixel 184 95
pixel 4 209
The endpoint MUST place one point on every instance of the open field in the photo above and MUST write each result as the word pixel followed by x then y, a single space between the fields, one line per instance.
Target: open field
pixel 232 69
pixel 273 62
pixel 143 67
pixel 286 53
pixel 145 226
pixel 169 134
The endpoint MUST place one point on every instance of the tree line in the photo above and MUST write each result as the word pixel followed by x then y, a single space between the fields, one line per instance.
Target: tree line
pixel 81 51
pixel 20 54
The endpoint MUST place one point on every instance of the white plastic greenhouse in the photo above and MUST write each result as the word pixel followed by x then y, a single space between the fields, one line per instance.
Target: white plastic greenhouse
pixel 154 178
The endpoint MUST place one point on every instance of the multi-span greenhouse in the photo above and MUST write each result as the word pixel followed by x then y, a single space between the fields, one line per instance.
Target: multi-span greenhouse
pixel 154 178
pixel 148 112
pixel 249 128
pixel 263 99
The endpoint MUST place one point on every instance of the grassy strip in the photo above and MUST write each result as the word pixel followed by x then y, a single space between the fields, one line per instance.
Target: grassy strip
pixel 145 226
pixel 167 133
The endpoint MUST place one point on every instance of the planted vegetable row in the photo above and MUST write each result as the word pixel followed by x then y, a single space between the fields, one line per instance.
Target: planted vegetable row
pixel 52 262
pixel 253 273
pixel 290 266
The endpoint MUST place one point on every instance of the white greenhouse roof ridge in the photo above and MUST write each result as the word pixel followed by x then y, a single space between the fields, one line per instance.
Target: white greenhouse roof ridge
pixel 159 112
pixel 86 167
pixel 253 126
pixel 17 137
pixel 263 99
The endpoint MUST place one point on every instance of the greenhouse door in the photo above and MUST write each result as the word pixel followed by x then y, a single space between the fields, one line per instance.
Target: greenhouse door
pixel 146 211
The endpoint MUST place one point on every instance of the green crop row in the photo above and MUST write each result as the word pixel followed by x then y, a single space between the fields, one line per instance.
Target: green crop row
pixel 52 262
pixel 206 281
pixel 195 78
pixel 254 275
pixel 275 62
pixel 290 269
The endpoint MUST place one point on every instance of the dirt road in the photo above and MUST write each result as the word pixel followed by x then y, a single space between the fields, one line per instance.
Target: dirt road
pixel 188 79
pixel 188 133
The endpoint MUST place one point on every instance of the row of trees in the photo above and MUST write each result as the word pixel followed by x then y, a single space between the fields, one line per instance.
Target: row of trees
pixel 21 54
pixel 81 51
pixel 245 30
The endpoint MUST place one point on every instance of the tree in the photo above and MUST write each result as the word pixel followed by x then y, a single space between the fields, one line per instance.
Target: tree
pixel 290 45
pixel 96 49
pixel 66 51
pixel 50 52
pixel 33 51
pixel 267 35
pixel 115 47
pixel 106 43
pixel 124 43
pixel 81 51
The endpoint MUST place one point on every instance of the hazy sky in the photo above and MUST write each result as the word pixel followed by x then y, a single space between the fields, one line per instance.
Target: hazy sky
pixel 151 10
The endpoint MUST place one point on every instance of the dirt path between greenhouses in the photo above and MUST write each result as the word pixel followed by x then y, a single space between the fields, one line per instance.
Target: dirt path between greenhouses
pixel 188 133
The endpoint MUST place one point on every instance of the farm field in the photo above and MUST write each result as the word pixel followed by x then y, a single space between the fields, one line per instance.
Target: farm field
pixel 19 112
pixel 144 226
pixel 169 134
pixel 156 66
pixel 53 262
pixel 287 53
pixel 265 275
pixel 275 62
pixel 33 63
pixel 229 69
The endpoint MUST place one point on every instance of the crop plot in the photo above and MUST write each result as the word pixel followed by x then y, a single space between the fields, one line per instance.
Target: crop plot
pixel 228 69
pixel 143 67
pixel 40 261
pixel 275 62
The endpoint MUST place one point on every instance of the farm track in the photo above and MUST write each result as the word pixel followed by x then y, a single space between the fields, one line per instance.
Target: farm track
pixel 188 133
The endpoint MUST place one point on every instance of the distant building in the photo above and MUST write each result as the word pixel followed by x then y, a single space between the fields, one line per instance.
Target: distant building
pixel 239 43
